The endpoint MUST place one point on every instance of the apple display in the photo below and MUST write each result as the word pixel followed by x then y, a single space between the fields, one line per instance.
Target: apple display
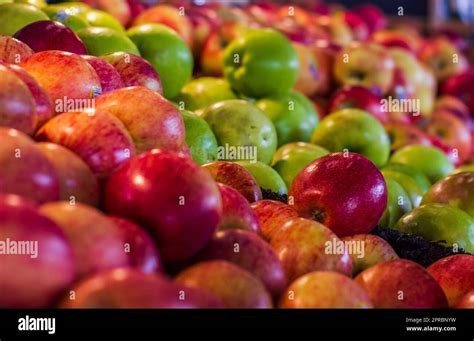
pixel 272 215
pixel 14 16
pixel 109 77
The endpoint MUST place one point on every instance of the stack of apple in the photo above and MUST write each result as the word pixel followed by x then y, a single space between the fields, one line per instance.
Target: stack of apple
pixel 143 182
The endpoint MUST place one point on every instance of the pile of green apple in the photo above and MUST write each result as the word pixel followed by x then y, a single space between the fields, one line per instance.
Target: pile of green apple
pixel 139 141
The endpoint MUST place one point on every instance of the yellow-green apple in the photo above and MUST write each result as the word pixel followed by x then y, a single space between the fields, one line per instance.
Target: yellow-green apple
pixel 98 137
pixel 261 63
pixel 365 64
pixel 24 170
pixel 119 9
pixel 402 134
pixel 242 129
pixel 271 216
pixel 142 251
pixel 234 286
pixel 373 16
pixel 167 52
pixel 46 65
pixel 135 71
pixel 160 124
pixel 430 160
pixel 109 77
pixel 358 97
pixel 200 139
pixel 203 92
pixel 304 246
pixel 292 158
pixel 375 250
pixel 49 264
pixel 248 251
pixel 104 40
pixel 409 184
pixel 414 173
pixel 456 190
pixel 13 51
pixel 461 86
pixel 95 249
pixel 14 16
pixel 307 82
pixel 267 178
pixel 455 275
pixel 467 302
pixel 318 290
pixel 401 283
pixel 356 131
pixel 440 222
pixel 235 176
pixel 132 289
pixel 189 201
pixel 50 35
pixel 344 191
pixel 98 18
pixel 17 104
pixel 236 211
pixel 76 180
pixel 398 203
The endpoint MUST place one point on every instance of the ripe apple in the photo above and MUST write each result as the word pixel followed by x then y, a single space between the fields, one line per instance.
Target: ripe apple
pixel 14 16
pixel 307 81
pixel 325 54
pixel 336 27
pixel 401 283
pixel 467 302
pixel 397 39
pixel 99 18
pixel 167 52
pixel 271 216
pixel 119 9
pixel 456 107
pixel 204 21
pixel 13 51
pixel 160 124
pixel 248 251
pixel 324 289
pixel 109 77
pixel 24 170
pixel 358 97
pixel 356 131
pixel 292 158
pixel 234 286
pixel 373 17
pixel 104 40
pixel 49 265
pixel 261 63
pixel 412 188
pixel 200 139
pixel 189 201
pixel 366 64
pixel 98 137
pixel 235 176
pixel 440 222
pixel 266 177
pixel 402 134
pixel 398 203
pixel 359 28
pixel 239 124
pixel 135 71
pixel 344 191
pixel 96 242
pixel 50 35
pixel 142 251
pixel 455 275
pixel 73 70
pixel 461 86
pixel 304 246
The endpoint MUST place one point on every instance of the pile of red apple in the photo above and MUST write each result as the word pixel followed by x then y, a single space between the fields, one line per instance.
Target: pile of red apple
pixel 138 142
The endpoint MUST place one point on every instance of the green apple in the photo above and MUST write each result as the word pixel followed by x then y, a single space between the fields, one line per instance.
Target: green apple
pixel 97 18
pixel 73 7
pixel 440 222
pixel 167 52
pixel 292 158
pixel 15 16
pixel 398 203
pixel 464 168
pixel 69 14
pixel 354 130
pixel 202 92
pixel 199 138
pixel 266 176
pixel 292 114
pixel 414 173
pixel 103 40
pixel 73 21
pixel 241 127
pixel 411 187
pixel 429 160
pixel 261 63
pixel 37 3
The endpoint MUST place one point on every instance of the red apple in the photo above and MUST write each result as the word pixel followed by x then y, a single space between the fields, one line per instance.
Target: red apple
pixel 234 286
pixel 96 242
pixel 373 17
pixel 235 176
pixel 141 248
pixel 98 137
pixel 401 284
pixel 304 246
pixel 110 79
pixel 461 86
pixel 204 22
pixel 358 26
pixel 272 215
pixel 135 71
pixel 24 170
pixel 171 196
pixel 13 51
pixel 455 275
pixel 307 82
pixel 76 181
pixel 456 107
pixel 324 55
pixel 344 191
pixel 32 280
pixel 397 38
pixel 467 302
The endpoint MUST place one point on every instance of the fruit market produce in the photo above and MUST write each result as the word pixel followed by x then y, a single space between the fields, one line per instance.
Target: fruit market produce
pixel 216 155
